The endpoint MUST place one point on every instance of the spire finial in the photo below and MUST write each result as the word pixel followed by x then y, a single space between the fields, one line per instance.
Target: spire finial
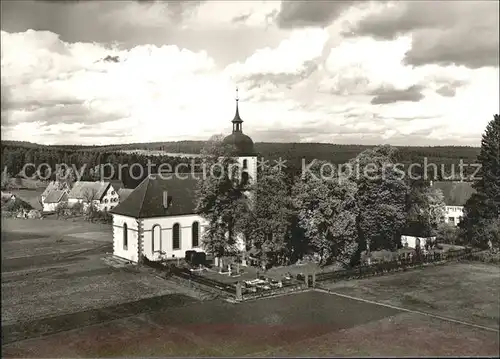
pixel 237 119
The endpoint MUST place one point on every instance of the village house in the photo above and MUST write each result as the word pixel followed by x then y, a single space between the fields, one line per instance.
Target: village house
pixel 158 221
pixel 53 185
pixel 53 199
pixel 7 196
pixel 101 194
pixel 456 194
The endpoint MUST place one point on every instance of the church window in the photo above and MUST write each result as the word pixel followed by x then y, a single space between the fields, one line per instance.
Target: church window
pixel 125 236
pixel 245 164
pixel 156 238
pixel 195 234
pixel 176 236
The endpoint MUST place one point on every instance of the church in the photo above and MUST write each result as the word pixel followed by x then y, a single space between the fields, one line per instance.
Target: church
pixel 158 221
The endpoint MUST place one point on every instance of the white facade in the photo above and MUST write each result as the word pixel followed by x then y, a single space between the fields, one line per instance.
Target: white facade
pixel 106 203
pixel 454 214
pixel 411 242
pixel 109 200
pixel 49 207
pixel 157 236
pixel 126 245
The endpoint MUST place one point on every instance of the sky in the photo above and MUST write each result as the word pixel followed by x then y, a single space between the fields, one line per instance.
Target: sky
pixel 346 72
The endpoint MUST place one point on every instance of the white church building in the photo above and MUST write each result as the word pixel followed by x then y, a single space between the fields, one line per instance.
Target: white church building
pixel 158 221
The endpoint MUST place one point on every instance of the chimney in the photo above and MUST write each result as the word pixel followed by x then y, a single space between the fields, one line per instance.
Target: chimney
pixel 165 199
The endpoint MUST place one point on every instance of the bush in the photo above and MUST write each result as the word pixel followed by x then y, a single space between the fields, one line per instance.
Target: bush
pixel 100 216
pixel 16 205
pixel 487 257
pixel 447 233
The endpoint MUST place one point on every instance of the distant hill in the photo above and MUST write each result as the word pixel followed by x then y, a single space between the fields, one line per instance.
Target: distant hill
pixel 15 154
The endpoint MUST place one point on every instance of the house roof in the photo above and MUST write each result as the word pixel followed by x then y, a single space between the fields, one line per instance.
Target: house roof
pixel 455 193
pixel 117 184
pixel 83 189
pixel 146 200
pixel 53 186
pixel 56 195
pixel 123 193
pixel 7 195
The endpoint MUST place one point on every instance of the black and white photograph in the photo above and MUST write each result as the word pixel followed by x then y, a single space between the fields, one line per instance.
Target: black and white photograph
pixel 238 178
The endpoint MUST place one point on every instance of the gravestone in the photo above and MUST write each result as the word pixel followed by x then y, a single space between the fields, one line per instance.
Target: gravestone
pixel 238 291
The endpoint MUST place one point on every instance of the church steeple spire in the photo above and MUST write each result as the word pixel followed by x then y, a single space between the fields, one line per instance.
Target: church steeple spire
pixel 237 121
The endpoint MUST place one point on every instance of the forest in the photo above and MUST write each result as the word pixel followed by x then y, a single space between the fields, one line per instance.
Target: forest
pixel 15 155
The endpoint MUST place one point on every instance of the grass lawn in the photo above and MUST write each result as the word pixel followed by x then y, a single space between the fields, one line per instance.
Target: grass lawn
pixel 59 299
pixel 304 324
pixel 55 267
pixel 464 291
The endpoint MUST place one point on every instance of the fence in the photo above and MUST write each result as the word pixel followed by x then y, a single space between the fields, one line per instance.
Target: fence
pixel 229 290
pixel 401 264
pixel 285 289
pixel 193 279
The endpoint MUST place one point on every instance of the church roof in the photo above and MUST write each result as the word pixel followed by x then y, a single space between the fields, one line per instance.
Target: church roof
pixel 241 143
pixel 455 193
pixel 123 193
pixel 146 200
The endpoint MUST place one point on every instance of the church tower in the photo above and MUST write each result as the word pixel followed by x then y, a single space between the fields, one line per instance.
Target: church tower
pixel 243 147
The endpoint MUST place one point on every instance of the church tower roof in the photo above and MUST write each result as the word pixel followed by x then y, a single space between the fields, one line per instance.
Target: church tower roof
pixel 241 143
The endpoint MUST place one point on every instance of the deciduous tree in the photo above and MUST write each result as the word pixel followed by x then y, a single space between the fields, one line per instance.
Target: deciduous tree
pixel 327 211
pixel 380 198
pixel 221 199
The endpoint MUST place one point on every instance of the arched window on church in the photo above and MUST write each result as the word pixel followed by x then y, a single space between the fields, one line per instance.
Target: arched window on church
pixel 195 234
pixel 176 236
pixel 125 236
pixel 245 164
pixel 156 238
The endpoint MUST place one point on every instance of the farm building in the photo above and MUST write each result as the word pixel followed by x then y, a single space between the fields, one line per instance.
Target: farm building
pixel 54 198
pixel 158 221
pixel 102 194
pixel 7 196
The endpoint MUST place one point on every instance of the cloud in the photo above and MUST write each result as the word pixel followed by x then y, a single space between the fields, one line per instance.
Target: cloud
pixel 449 89
pixel 447 32
pixel 292 61
pixel 144 76
pixel 385 96
pixel 293 14
pixel 52 83
pixel 353 69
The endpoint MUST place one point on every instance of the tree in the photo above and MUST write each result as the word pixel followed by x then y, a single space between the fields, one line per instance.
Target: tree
pixel 482 210
pixel 327 212
pixel 380 199
pixel 269 222
pixel 425 210
pixel 447 233
pixel 6 176
pixel 221 199
pixel 89 198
